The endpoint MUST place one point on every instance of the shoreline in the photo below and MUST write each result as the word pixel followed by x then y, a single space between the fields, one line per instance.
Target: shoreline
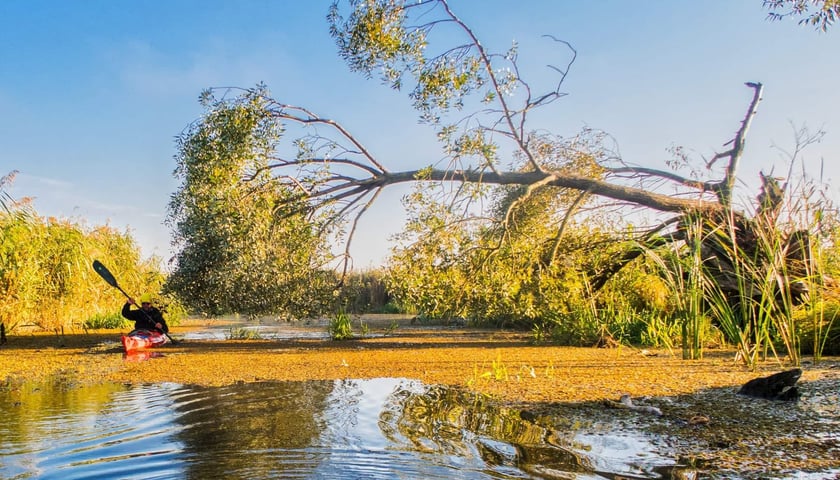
pixel 544 381
pixel 503 364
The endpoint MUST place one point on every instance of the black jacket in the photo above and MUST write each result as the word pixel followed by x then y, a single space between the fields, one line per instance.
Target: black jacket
pixel 144 320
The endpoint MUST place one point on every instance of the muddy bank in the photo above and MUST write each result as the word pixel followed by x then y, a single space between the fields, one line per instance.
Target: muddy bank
pixel 703 421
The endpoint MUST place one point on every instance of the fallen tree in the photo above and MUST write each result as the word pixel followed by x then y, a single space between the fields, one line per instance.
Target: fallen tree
pixel 750 258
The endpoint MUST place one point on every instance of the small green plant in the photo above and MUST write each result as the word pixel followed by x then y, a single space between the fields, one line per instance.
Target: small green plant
pixel 498 372
pixel 660 331
pixel 241 333
pixel 341 327
pixel 105 320
pixel 392 327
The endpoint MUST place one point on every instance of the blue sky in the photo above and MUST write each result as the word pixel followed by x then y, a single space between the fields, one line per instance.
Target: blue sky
pixel 93 92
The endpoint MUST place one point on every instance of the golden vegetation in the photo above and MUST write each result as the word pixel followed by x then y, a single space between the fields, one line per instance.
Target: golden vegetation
pixel 505 365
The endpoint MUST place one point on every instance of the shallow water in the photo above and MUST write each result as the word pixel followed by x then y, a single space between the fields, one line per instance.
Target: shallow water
pixel 272 330
pixel 382 428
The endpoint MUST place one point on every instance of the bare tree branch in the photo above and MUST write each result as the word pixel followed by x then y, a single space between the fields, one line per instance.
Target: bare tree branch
pixel 334 186
pixel 728 184
pixel 500 94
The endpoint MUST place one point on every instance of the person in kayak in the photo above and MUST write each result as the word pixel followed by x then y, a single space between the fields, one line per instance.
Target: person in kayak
pixel 146 317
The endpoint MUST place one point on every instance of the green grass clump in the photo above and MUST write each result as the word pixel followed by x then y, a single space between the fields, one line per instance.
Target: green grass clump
pixel 341 327
pixel 240 333
pixel 106 320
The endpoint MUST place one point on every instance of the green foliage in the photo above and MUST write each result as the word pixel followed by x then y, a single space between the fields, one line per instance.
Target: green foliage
pixel 390 307
pixel 392 327
pixel 821 17
pixel 374 35
pixel 341 326
pixel 46 278
pixel 366 292
pixel 113 320
pixel 456 267
pixel 240 333
pixel 660 331
pixel 246 245
pixel 819 328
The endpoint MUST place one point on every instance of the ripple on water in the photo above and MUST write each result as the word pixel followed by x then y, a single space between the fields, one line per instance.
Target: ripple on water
pixel 381 428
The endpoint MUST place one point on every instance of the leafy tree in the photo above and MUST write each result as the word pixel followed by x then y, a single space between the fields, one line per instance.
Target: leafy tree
pixel 508 268
pixel 379 36
pixel 821 14
pixel 540 183
pixel 244 247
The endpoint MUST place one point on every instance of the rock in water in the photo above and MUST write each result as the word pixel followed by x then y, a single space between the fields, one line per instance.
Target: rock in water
pixel 779 386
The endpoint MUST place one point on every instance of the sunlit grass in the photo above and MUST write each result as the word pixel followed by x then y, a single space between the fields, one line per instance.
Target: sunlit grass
pixel 341 326
pixel 498 371
pixel 113 320
pixel 240 333
pixel 392 327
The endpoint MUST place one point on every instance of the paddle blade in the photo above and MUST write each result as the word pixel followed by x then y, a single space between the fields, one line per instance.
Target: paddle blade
pixel 104 273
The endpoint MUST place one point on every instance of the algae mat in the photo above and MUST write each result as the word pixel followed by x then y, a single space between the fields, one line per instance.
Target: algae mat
pixel 705 422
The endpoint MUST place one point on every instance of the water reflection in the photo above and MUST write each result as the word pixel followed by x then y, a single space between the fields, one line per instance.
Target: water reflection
pixel 105 431
pixel 141 355
pixel 245 431
pixel 453 422
pixel 382 428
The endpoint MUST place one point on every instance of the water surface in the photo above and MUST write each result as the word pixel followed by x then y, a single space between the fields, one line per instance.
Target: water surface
pixel 382 428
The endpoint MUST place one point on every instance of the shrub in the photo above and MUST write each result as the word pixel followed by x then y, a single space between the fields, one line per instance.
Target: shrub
pixel 341 327
pixel 106 320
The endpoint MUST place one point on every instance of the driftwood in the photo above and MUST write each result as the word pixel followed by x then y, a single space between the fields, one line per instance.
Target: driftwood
pixel 625 402
pixel 779 386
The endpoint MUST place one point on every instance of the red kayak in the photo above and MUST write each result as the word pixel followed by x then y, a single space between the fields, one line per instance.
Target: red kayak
pixel 142 339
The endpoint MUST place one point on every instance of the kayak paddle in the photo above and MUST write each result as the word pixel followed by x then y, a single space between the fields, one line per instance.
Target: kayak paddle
pixel 106 275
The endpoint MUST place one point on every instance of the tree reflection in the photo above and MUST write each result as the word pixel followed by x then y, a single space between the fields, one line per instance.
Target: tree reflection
pixel 443 420
pixel 26 409
pixel 243 429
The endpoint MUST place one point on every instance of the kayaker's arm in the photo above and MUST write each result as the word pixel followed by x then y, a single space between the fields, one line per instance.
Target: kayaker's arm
pixel 109 278
pixel 126 310
pixel 156 316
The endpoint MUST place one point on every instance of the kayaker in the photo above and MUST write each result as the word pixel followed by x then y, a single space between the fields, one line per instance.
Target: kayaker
pixel 146 317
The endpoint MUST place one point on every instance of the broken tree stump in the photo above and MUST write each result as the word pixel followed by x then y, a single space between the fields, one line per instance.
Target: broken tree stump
pixel 779 386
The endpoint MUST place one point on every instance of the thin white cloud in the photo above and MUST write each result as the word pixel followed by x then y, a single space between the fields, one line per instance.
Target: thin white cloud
pixel 59 197
pixel 42 182
pixel 148 71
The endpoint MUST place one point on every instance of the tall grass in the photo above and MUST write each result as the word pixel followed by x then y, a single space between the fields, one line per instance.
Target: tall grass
pixel 754 291
pixel 821 265
pixel 683 274
pixel 46 278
